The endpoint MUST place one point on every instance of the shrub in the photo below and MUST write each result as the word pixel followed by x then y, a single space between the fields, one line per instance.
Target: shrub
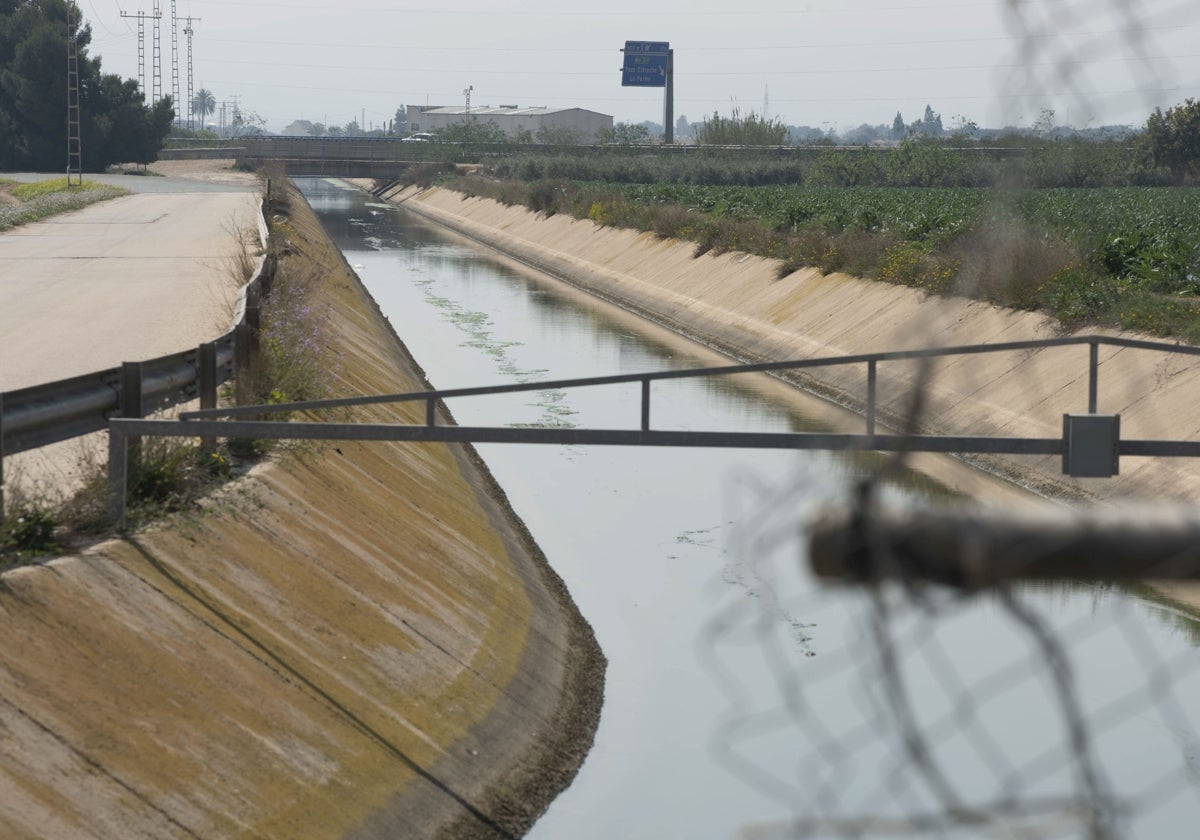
pixel 1006 262
pixel 25 532
pixel 911 264
pixel 674 222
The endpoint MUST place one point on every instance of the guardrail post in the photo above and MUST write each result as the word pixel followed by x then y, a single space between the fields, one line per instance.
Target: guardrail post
pixel 871 382
pixel 1 455
pixel 206 385
pixel 1093 376
pixel 645 405
pixel 131 404
pixel 245 355
pixel 118 472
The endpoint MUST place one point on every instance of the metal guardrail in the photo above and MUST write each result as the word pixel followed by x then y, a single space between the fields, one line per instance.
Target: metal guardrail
pixel 56 411
pixel 1090 444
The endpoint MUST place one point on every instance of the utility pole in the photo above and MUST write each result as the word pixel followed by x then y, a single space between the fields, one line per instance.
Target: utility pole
pixel 175 63
pixel 187 30
pixel 669 101
pixel 74 147
pixel 141 19
pixel 467 93
pixel 156 55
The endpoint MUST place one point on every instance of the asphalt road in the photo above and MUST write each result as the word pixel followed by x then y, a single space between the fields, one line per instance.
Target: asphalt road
pixel 125 280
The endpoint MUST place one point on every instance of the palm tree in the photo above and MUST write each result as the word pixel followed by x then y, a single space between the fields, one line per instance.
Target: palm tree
pixel 203 103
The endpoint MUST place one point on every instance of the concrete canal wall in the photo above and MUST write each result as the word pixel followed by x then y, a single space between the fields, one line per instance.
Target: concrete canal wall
pixel 357 641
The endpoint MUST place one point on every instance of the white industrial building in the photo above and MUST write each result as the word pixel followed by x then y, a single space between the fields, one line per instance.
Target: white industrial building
pixel 582 125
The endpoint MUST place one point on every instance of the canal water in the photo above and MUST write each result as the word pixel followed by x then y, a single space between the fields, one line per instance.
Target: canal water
pixel 742 696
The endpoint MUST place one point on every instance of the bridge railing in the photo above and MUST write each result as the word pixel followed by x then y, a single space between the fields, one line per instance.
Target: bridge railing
pixel 1090 444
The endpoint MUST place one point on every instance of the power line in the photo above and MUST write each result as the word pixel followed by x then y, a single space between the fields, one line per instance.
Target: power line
pixel 699 48
pixel 823 71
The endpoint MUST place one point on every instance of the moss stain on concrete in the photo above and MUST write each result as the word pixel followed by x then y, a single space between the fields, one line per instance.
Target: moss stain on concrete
pixel 359 640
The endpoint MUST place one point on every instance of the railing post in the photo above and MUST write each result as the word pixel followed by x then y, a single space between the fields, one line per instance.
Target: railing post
pixel 131 399
pixel 1 455
pixel 118 472
pixel 431 412
pixel 645 405
pixel 1093 376
pixel 131 389
pixel 871 383
pixel 206 385
pixel 245 353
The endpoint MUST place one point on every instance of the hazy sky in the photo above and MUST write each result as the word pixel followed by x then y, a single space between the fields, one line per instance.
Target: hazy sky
pixel 824 63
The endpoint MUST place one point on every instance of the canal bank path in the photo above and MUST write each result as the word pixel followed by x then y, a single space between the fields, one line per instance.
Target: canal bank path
pixel 129 279
pixel 148 274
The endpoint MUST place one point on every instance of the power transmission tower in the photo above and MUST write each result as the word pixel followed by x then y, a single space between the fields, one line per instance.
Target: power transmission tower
pixel 187 30
pixel 74 148
pixel 156 54
pixel 141 19
pixel 175 63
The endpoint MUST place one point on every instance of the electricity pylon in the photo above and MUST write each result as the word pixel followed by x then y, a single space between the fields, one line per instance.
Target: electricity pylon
pixel 141 19
pixel 74 147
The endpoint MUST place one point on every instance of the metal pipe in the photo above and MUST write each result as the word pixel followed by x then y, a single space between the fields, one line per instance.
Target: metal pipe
pixel 976 549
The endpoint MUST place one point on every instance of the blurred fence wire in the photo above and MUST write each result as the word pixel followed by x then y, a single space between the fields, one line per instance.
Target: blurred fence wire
pixel 959 674
pixel 911 708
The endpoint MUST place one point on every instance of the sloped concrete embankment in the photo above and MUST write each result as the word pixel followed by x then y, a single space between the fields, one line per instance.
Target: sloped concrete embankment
pixel 360 641
pixel 736 303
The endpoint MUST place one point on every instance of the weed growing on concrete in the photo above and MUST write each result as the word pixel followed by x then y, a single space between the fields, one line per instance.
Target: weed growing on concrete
pixel 26 533
pixel 296 335
pixel 166 476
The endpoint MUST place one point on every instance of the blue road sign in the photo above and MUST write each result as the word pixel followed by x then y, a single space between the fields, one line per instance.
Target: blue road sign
pixel 645 64
pixel 660 47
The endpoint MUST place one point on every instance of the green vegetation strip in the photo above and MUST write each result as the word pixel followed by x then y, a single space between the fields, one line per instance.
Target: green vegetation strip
pixel 43 199
pixel 1123 256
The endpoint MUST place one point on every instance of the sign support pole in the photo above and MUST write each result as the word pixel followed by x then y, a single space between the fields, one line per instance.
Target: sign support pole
pixel 669 101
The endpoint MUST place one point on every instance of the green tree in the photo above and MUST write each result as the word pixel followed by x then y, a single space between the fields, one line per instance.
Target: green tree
pixel 115 124
pixel 549 135
pixel 899 129
pixel 203 104
pixel 625 134
pixel 1173 139
pixel 246 123
pixel 122 129
pixel 931 124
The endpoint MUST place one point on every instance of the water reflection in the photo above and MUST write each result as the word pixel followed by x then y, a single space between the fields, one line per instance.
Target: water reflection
pixel 740 691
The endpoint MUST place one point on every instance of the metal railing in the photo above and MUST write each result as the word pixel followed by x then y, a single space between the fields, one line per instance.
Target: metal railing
pixel 1085 452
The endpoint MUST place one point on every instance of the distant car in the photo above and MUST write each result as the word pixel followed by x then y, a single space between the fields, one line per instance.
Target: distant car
pixel 422 137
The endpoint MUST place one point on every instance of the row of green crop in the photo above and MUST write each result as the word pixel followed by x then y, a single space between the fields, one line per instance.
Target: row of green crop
pixel 1061 163
pixel 1148 235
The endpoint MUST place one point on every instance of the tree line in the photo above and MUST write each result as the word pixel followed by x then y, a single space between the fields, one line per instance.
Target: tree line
pixel 116 125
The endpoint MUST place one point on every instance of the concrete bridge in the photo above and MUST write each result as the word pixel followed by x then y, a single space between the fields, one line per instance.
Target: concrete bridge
pixel 341 157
